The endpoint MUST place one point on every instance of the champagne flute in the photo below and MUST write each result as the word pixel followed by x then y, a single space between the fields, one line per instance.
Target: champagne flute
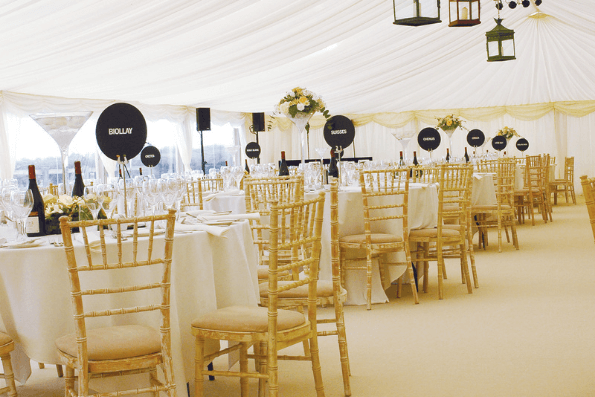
pixel 91 201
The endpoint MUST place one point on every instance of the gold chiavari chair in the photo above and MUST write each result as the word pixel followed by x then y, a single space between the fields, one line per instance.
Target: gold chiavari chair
pixel 6 346
pixel 328 293
pixel 259 193
pixel 588 185
pixel 503 210
pixel 532 193
pixel 565 184
pixel 122 349
pixel 196 189
pixel 453 191
pixel 545 186
pixel 271 329
pixel 385 195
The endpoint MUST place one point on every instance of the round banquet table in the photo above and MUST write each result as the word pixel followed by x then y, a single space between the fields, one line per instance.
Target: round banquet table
pixel 208 272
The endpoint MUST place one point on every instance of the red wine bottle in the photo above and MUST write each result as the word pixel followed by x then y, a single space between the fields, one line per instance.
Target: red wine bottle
pixel 79 187
pixel 36 221
pixel 466 155
pixel 283 170
pixel 401 162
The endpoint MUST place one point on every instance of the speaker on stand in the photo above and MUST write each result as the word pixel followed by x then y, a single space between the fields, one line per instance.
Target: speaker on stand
pixel 257 126
pixel 203 123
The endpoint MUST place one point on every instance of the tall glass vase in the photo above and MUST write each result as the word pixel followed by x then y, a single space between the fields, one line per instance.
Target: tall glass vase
pixel 62 128
pixel 404 141
pixel 449 134
pixel 300 120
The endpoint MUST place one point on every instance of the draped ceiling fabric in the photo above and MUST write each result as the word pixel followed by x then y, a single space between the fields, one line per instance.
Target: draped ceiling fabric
pixel 241 56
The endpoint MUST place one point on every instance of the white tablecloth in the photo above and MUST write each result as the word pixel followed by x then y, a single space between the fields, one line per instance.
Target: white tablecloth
pixel 483 191
pixel 207 273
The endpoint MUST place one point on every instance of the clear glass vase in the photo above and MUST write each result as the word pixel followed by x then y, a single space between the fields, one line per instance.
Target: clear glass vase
pixel 300 120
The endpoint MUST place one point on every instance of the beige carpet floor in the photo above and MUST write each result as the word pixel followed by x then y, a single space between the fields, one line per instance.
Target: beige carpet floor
pixel 527 331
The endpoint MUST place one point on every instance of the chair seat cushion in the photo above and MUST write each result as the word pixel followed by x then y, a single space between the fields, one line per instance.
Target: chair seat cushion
pixel 526 191
pixel 446 232
pixel 377 238
pixel 452 227
pixel 263 272
pixel 324 288
pixel 247 319
pixel 114 343
pixel 6 344
pixel 494 207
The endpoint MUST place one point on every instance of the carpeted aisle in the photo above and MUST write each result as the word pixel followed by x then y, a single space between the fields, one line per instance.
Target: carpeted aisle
pixel 527 331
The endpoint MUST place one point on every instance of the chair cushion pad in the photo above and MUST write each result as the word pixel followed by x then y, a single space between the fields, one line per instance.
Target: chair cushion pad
pixel 377 238
pixel 324 288
pixel 446 232
pixel 6 344
pixel 247 319
pixel 113 343
pixel 491 207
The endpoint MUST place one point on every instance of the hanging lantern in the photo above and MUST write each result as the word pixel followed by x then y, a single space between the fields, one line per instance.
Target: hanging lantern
pixel 416 12
pixel 500 43
pixel 464 12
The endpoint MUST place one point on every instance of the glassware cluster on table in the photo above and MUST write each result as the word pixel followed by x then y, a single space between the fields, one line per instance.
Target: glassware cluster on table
pixel 16 204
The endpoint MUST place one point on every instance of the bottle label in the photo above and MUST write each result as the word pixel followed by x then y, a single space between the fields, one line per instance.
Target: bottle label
pixel 32 224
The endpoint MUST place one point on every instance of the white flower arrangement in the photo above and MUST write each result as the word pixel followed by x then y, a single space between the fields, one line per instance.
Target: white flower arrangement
pixel 507 132
pixel 301 101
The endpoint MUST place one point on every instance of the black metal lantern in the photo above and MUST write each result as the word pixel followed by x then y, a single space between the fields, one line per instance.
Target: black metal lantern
pixel 464 12
pixel 416 12
pixel 500 43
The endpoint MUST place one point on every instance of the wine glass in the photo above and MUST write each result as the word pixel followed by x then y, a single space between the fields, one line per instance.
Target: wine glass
pixel 167 192
pixel 21 202
pixel 91 201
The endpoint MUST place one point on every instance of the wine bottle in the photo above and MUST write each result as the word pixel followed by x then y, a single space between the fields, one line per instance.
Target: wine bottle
pixel 401 162
pixel 140 171
pixel 246 168
pixel 466 155
pixel 447 155
pixel 415 162
pixel 333 170
pixel 36 221
pixel 283 170
pixel 79 187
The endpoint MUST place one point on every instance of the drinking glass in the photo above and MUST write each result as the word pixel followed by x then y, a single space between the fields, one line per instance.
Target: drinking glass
pixel 21 202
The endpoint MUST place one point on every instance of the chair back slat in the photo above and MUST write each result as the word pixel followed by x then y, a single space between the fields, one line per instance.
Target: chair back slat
pixel 588 185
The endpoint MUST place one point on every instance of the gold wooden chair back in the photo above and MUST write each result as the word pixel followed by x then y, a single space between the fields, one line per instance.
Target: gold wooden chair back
pixel 292 226
pixel 124 349
pixel 195 190
pixel 565 184
pixel 424 175
pixel 490 166
pixel 588 185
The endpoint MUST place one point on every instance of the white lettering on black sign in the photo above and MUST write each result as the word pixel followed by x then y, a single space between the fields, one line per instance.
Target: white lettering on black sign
pixel 120 131
pixel 338 132
pixel 475 138
pixel 253 150
pixel 431 138
pixel 149 156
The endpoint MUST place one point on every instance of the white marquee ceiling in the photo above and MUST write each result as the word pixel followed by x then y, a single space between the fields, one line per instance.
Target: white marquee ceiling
pixel 244 55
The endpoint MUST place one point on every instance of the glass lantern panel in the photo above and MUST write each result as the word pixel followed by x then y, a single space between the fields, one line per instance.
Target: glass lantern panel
pixel 493 49
pixel 428 8
pixel 464 10
pixel 508 48
pixel 405 9
pixel 453 11
pixel 474 14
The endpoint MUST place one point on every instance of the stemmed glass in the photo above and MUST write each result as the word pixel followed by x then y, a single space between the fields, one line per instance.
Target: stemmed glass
pixel 167 192
pixel 21 202
pixel 237 174
pixel 92 201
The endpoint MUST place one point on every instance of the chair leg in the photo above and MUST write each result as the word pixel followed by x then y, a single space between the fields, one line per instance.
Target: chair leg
pixel 69 380
pixel 426 250
pixel 41 365
pixel 59 371
pixel 343 351
pixel 440 273
pixel 9 376
pixel 412 282
pixel 465 267
pixel 244 386
pixel 369 280
pixel 316 368
pixel 199 363
pixel 472 257
pixel 262 368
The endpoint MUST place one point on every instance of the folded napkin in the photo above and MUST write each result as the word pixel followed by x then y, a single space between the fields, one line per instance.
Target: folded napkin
pixel 213 195
pixel 217 231
pixel 199 212
pixel 92 237
pixel 35 242
pixel 229 217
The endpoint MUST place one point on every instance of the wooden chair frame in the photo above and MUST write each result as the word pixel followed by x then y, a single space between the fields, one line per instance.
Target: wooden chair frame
pixel 8 374
pixel 80 362
pixel 565 184
pixel 196 189
pixel 292 226
pixel 391 185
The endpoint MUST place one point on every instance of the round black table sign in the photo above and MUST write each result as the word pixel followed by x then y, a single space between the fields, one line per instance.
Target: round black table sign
pixel 121 131
pixel 499 142
pixel 253 150
pixel 476 138
pixel 522 144
pixel 339 131
pixel 150 156
pixel 429 139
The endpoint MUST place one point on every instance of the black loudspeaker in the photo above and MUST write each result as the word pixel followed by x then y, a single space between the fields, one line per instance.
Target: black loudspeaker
pixel 258 121
pixel 203 119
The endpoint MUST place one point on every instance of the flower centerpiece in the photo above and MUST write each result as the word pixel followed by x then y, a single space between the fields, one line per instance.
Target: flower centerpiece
pixel 64 205
pixel 507 132
pixel 299 105
pixel 449 123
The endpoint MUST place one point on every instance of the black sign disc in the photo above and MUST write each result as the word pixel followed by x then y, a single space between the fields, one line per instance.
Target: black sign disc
pixel 339 131
pixel 429 139
pixel 150 156
pixel 499 142
pixel 476 138
pixel 522 144
pixel 253 150
pixel 121 131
